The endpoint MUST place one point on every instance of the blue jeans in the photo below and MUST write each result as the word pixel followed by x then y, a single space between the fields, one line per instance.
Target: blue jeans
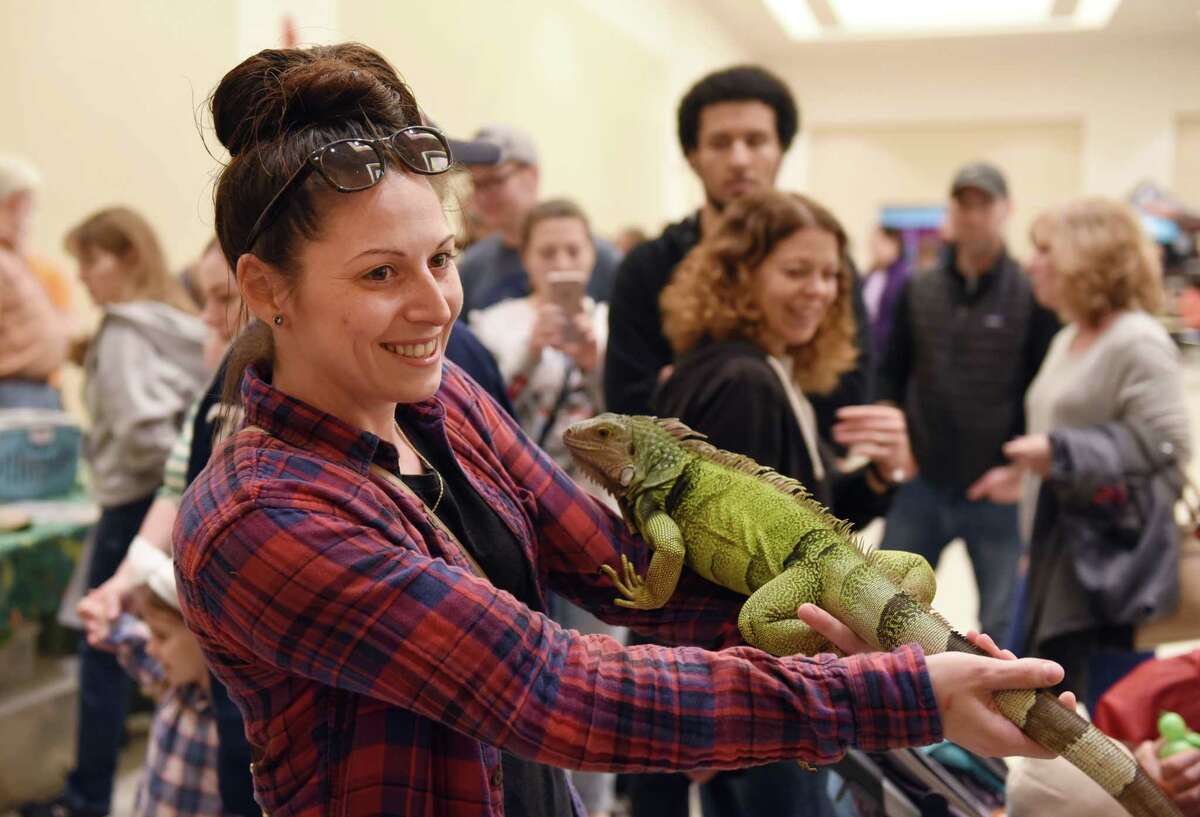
pixel 28 394
pixel 233 755
pixel 924 518
pixel 104 688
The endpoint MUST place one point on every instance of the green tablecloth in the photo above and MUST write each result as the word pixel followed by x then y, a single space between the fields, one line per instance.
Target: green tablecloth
pixel 36 563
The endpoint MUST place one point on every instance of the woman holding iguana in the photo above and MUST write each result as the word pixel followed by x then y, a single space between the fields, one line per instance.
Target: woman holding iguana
pixel 365 563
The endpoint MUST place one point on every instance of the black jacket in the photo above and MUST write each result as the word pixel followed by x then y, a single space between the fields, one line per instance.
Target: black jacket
pixel 637 350
pixel 960 359
pixel 729 392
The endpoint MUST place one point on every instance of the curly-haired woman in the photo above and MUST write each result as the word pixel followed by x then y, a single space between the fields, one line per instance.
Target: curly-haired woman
pixel 760 315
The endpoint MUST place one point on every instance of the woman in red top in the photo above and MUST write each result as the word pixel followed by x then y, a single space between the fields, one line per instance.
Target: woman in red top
pixel 365 563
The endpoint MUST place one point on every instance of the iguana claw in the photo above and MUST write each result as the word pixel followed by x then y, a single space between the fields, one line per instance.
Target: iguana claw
pixel 632 586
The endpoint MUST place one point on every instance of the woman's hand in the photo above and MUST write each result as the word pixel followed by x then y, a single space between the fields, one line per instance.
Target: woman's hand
pixel 1031 452
pixel 964 684
pixel 1178 774
pixel 880 434
pixel 100 608
pixel 583 348
pixel 548 323
pixel 1001 485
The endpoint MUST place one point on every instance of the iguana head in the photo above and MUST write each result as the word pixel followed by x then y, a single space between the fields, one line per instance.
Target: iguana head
pixel 625 454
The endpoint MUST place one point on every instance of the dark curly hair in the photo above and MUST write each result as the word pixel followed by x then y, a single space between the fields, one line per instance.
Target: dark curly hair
pixel 741 83
pixel 712 295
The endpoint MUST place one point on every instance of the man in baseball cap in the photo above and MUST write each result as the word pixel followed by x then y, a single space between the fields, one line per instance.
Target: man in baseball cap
pixel 980 176
pixel 966 342
pixel 505 191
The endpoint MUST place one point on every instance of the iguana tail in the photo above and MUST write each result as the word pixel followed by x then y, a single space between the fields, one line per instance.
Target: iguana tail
pixel 902 619
pixel 1060 730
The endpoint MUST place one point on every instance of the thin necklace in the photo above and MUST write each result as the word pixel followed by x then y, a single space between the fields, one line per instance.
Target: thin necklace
pixel 427 464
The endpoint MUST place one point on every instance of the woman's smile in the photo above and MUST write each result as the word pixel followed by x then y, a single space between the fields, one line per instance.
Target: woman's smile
pixel 421 352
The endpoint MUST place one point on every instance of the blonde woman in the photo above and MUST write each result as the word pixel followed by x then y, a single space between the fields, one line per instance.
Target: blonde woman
pixel 1107 430
pixel 143 368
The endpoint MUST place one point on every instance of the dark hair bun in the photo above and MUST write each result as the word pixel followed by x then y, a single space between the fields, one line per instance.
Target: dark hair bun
pixel 278 92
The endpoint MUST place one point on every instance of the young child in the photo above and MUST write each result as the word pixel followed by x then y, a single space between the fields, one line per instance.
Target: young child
pixel 159 652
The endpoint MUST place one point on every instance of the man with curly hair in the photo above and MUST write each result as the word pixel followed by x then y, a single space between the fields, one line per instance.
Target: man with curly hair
pixel 735 125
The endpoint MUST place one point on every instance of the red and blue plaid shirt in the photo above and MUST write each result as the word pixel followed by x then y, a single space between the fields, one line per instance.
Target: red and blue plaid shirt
pixel 379 675
pixel 180 777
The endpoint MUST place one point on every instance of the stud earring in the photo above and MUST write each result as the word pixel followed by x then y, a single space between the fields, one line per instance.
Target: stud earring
pixel 277 320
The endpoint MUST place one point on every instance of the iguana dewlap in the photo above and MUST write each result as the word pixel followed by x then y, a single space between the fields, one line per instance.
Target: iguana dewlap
pixel 756 532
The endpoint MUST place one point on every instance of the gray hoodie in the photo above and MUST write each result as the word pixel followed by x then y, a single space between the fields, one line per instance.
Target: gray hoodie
pixel 144 368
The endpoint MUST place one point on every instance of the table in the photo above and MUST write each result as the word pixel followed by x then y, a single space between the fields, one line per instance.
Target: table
pixel 36 563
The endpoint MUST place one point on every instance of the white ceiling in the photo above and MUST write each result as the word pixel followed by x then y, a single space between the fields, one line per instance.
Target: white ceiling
pixel 750 24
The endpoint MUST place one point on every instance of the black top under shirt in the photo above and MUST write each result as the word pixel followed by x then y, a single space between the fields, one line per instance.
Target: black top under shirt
pixel 530 789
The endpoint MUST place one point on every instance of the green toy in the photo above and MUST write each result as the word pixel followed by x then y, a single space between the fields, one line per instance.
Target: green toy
pixel 756 532
pixel 1176 735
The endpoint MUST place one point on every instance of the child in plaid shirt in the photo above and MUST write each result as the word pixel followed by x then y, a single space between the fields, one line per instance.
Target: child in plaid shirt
pixel 159 652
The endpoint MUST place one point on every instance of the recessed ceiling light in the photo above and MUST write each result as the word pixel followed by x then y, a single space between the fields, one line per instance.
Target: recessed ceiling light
pixel 867 19
pixel 795 17
pixel 1095 13
pixel 879 15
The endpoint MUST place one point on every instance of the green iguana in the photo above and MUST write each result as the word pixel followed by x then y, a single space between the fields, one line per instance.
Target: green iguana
pixel 754 531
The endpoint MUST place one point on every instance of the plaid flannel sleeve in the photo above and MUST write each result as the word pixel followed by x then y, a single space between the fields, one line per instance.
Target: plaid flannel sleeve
pixel 322 596
pixel 576 534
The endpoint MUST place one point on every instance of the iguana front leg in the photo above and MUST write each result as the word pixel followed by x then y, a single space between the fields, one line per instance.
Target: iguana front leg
pixel 653 591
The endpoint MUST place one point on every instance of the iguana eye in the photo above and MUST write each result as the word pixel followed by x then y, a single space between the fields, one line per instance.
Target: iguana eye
pixel 603 433
pixel 632 450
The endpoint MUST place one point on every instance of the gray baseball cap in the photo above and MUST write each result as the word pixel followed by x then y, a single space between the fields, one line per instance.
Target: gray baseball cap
pixel 468 151
pixel 474 152
pixel 515 144
pixel 980 176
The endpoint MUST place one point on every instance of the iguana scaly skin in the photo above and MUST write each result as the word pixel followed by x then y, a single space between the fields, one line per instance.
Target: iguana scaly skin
pixel 756 532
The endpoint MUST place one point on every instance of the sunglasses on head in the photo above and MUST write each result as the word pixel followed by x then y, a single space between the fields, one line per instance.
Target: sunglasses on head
pixel 350 165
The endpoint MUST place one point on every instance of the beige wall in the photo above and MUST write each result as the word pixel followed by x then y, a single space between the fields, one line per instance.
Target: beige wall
pixel 105 98
pixel 1187 159
pixel 911 164
pixel 1124 95
pixel 583 77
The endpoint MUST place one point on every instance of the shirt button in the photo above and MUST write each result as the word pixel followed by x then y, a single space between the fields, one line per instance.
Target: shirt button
pixel 497 777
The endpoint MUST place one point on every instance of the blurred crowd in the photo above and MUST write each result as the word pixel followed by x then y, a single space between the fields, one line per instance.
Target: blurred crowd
pixel 1033 408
